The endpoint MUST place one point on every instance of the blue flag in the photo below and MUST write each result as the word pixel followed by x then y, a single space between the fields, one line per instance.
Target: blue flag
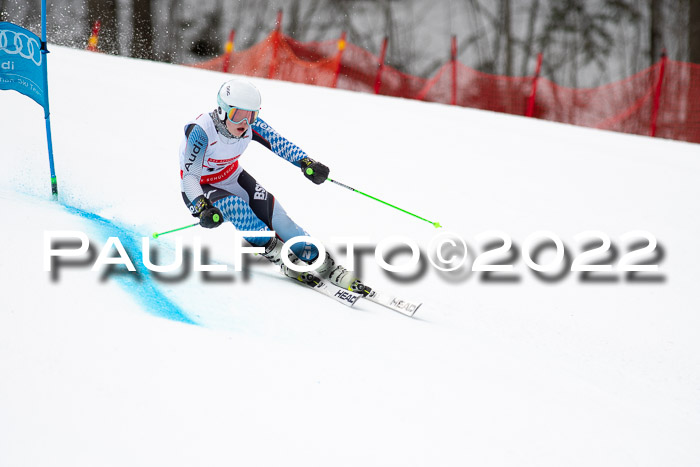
pixel 22 63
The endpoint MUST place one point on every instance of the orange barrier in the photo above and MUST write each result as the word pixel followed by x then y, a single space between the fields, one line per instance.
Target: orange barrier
pixel 662 101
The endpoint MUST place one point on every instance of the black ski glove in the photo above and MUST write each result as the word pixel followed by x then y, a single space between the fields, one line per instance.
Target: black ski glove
pixel 314 171
pixel 208 214
pixel 210 218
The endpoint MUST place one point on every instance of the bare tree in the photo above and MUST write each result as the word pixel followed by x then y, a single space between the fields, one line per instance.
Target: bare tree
pixel 253 20
pixel 304 19
pixel 480 25
pixel 655 30
pixel 208 41
pixel 351 15
pixel 694 32
pixel 142 30
pixel 32 15
pixel 173 32
pixel 528 42
pixel 576 34
pixel 507 34
pixel 295 22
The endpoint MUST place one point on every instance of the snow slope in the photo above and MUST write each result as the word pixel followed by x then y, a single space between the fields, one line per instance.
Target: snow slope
pixel 113 368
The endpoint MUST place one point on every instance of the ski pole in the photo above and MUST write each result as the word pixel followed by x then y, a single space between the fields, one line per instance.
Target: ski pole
pixel 215 218
pixel 437 225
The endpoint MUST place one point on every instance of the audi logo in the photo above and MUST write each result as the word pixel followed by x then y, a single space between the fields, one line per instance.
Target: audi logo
pixel 15 42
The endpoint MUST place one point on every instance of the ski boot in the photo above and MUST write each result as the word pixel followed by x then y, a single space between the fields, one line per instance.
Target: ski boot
pixel 273 250
pixel 273 253
pixel 330 271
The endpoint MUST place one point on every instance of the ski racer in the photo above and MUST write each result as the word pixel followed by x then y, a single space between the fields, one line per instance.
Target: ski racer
pixel 216 189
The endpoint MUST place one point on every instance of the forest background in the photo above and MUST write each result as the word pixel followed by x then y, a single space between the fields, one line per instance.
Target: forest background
pixel 584 43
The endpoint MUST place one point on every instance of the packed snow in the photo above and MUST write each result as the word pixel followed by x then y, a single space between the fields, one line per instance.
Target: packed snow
pixel 116 368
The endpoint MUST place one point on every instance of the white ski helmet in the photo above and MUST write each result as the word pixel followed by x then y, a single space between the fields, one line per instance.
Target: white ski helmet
pixel 238 94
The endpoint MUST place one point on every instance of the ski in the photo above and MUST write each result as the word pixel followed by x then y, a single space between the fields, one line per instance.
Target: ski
pixel 392 302
pixel 349 298
pixel 346 297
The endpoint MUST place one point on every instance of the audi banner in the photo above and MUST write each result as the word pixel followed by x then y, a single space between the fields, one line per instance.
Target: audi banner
pixel 21 62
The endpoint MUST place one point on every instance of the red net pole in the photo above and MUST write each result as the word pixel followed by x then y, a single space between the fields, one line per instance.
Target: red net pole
pixel 275 45
pixel 657 95
pixel 339 57
pixel 229 50
pixel 453 101
pixel 531 100
pixel 94 37
pixel 380 68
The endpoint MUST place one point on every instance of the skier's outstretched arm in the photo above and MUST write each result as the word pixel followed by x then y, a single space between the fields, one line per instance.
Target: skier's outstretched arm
pixel 268 137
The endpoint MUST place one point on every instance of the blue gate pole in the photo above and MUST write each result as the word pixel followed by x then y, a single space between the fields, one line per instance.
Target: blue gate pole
pixel 47 113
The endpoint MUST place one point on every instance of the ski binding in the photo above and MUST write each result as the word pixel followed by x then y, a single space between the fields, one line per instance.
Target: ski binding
pixel 346 297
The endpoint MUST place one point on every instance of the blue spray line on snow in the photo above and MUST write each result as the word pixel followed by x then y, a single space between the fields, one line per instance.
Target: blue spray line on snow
pixel 145 292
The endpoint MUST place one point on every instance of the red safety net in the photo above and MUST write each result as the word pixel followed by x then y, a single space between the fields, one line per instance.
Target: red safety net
pixel 679 106
pixel 624 106
pixel 663 100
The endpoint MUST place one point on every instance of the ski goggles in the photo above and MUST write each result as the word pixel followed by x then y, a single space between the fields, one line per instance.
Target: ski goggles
pixel 237 115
